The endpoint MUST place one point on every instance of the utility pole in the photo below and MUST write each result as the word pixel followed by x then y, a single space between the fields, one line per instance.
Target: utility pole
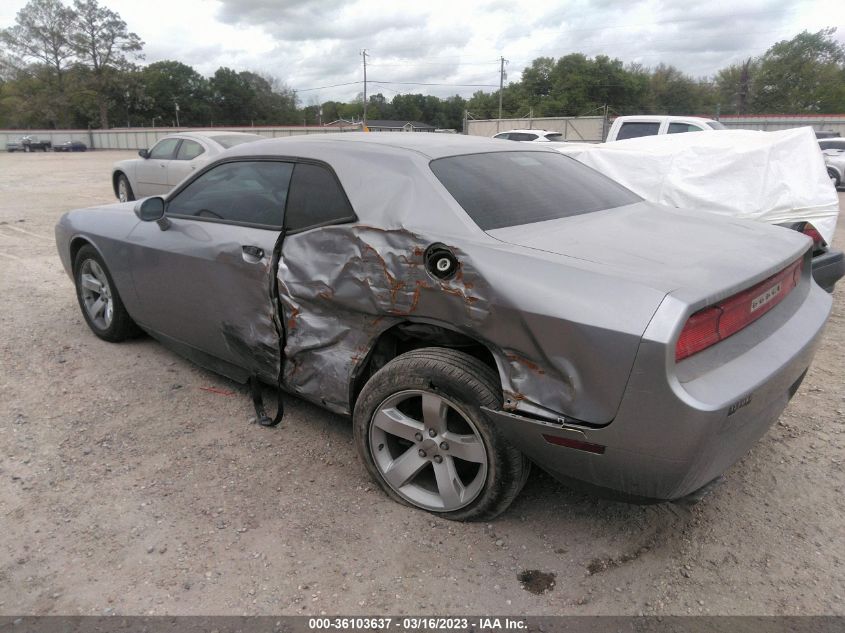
pixel 176 104
pixel 364 119
pixel 502 61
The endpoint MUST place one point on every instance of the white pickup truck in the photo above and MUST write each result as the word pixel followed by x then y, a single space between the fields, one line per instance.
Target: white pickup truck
pixel 652 125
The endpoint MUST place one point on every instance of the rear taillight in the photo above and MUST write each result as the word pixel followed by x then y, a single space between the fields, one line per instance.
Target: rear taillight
pixel 810 231
pixel 717 322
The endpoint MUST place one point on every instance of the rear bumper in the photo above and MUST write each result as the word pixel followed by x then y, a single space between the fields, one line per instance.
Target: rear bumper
pixel 671 438
pixel 828 268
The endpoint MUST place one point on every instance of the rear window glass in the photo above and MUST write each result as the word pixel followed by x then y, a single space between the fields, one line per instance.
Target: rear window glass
pixel 637 129
pixel 236 139
pixel 716 125
pixel 555 136
pixel 510 188
pixel 681 128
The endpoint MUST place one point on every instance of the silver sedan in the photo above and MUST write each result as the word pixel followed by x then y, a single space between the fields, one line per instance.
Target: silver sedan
pixel 170 160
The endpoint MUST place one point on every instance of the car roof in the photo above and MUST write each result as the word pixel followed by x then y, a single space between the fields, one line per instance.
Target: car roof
pixel 534 131
pixel 661 117
pixel 429 145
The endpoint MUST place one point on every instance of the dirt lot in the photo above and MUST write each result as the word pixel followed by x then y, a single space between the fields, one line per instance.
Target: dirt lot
pixel 127 487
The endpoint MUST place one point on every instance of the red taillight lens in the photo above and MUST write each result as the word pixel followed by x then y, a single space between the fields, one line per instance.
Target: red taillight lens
pixel 810 231
pixel 717 322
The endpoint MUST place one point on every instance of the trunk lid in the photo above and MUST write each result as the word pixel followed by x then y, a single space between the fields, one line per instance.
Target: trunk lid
pixel 697 255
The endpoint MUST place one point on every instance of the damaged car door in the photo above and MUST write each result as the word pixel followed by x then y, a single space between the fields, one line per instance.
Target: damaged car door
pixel 204 274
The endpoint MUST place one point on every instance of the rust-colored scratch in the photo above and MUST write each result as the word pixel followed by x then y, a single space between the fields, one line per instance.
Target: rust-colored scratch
pixel 395 284
pixel 294 312
pixel 524 361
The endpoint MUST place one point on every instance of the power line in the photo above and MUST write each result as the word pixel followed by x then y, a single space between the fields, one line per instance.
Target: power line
pixel 420 83
pixel 350 83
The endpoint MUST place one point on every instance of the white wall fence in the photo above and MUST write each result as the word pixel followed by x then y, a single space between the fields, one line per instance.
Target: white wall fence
pixel 143 138
pixel 593 128
pixel 585 128
pixel 589 129
pixel 773 123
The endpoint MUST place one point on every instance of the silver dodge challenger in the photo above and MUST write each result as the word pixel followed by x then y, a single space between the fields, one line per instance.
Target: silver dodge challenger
pixel 475 306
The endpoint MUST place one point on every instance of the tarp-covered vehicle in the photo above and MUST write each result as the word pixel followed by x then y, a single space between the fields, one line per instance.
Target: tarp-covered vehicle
pixel 475 305
pixel 774 177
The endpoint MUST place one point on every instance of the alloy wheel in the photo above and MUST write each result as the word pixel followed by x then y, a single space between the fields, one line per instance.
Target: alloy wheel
pixel 96 294
pixel 428 450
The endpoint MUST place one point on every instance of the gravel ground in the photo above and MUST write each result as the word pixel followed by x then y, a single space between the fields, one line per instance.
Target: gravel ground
pixel 128 487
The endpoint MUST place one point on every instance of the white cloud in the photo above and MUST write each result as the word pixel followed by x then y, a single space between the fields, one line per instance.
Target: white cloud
pixel 312 43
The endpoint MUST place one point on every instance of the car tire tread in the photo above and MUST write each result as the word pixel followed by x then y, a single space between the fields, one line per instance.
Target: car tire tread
pixel 470 383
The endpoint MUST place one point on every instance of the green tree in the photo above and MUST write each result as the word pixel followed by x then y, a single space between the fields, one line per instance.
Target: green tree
pixel 167 83
pixel 102 42
pixel 804 74
pixel 40 35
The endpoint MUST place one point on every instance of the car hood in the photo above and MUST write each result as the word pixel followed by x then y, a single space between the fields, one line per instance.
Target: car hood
pixel 672 250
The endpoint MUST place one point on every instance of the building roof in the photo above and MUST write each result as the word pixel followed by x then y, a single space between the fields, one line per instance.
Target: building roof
pixel 398 124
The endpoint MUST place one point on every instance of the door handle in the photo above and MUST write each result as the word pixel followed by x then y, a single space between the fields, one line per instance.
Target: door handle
pixel 252 254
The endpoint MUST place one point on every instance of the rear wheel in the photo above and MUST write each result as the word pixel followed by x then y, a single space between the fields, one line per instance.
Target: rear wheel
pixel 834 176
pixel 419 430
pixel 98 298
pixel 124 190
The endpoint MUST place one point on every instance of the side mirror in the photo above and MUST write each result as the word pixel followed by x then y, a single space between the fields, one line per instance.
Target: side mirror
pixel 144 153
pixel 152 210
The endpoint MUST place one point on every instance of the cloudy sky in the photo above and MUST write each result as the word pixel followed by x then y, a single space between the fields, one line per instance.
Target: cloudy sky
pixel 312 44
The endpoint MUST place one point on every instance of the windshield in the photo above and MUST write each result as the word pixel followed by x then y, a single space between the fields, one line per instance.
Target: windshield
pixel 716 125
pixel 236 139
pixel 509 188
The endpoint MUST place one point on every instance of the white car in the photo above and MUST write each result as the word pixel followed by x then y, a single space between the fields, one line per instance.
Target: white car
pixel 170 160
pixel 834 158
pixel 625 127
pixel 530 136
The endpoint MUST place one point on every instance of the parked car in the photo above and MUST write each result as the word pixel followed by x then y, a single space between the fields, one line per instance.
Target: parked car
pixel 834 160
pixel 775 177
pixel 624 127
pixel 70 146
pixel 175 156
pixel 27 144
pixel 530 136
pixel 475 306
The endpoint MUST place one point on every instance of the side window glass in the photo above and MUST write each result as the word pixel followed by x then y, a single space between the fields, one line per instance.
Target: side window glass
pixel 635 130
pixel 315 198
pixel 164 149
pixel 251 192
pixel 189 150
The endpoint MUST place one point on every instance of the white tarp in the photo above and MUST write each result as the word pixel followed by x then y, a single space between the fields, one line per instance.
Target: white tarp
pixel 773 177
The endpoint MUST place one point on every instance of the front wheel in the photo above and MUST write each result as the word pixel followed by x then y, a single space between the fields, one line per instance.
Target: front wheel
pixel 98 298
pixel 420 431
pixel 124 189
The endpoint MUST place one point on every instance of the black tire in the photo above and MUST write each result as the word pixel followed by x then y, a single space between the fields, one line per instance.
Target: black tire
pixel 121 326
pixel 466 382
pixel 122 180
pixel 834 175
